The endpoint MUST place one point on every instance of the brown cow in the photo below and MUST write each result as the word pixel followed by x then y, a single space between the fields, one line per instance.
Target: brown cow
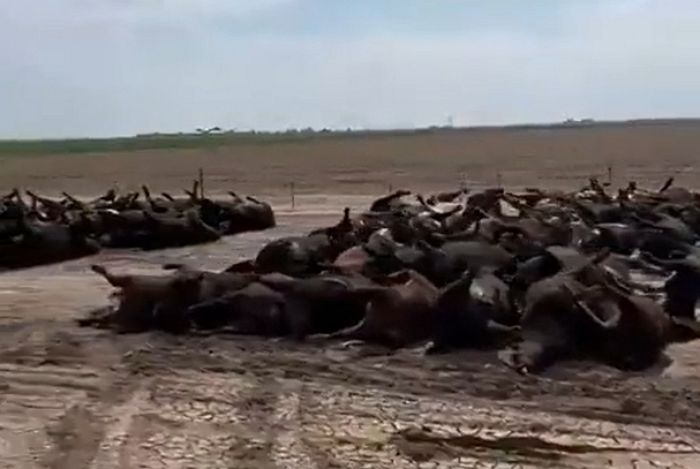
pixel 398 313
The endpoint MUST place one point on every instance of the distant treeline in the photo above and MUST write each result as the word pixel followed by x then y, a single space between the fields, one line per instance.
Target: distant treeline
pixel 209 139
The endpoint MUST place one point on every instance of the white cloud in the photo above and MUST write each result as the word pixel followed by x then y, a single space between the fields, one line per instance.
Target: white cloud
pixel 118 67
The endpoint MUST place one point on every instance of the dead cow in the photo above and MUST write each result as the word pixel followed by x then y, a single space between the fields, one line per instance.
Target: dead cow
pixel 398 313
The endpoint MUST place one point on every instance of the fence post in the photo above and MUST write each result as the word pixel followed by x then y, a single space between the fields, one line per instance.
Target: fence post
pixel 292 194
pixel 610 170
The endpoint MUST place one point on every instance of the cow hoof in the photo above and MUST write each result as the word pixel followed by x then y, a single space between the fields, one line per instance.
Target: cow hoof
pixel 435 349
pixel 511 358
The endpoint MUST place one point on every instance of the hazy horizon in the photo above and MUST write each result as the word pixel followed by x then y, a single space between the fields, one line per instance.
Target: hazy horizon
pixel 575 123
pixel 103 68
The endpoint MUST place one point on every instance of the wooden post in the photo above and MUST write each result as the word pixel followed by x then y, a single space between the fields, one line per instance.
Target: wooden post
pixel 201 183
pixel 610 170
pixel 292 194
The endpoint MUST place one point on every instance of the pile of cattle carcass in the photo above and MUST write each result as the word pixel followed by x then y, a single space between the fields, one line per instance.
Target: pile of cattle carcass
pixel 538 276
pixel 45 230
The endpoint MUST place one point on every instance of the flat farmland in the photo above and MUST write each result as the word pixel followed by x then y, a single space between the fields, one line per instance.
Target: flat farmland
pixel 554 156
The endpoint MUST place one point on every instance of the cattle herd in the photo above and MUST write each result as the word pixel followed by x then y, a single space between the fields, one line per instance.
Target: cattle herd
pixel 45 230
pixel 536 276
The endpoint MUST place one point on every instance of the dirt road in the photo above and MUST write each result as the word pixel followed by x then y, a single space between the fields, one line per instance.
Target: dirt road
pixel 80 398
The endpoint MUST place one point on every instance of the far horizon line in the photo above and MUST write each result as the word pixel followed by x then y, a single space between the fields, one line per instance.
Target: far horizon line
pixel 308 130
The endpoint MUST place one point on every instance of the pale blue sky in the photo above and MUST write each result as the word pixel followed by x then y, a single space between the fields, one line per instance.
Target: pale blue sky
pixel 120 67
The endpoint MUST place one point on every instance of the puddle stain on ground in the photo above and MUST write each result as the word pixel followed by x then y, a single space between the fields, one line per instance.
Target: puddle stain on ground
pixel 422 445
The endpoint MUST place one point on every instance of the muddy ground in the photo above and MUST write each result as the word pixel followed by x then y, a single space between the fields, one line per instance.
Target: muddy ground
pixel 81 398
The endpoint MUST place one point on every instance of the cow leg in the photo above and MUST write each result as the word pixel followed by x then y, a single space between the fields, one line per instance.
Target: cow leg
pixel 543 343
pixel 298 318
pixel 500 333
pixel 684 329
pixel 351 343
pixel 610 322
pixel 114 280
pixel 528 356
pixel 437 348
pixel 498 328
pixel 357 332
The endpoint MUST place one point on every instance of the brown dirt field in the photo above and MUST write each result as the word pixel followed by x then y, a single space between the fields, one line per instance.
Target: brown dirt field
pixel 556 157
pixel 80 398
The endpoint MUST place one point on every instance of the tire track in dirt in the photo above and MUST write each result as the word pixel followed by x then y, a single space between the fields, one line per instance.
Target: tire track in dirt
pixel 47 417
pixel 289 450
pixel 116 435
